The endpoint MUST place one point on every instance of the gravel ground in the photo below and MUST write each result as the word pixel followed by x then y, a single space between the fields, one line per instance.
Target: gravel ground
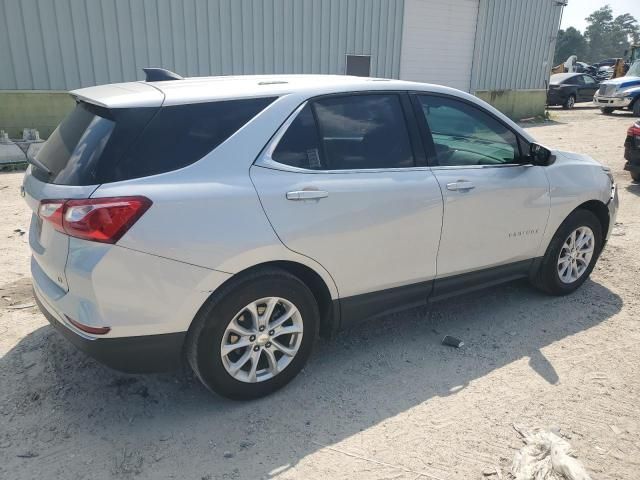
pixel 383 401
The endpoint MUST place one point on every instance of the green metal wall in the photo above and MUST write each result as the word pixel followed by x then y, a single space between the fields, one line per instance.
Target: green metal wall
pixel 66 44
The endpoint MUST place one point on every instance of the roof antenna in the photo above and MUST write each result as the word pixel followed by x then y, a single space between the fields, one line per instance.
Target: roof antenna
pixel 160 74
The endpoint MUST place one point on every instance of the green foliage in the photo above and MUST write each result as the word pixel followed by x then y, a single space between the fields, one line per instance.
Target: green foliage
pixel 570 42
pixel 605 37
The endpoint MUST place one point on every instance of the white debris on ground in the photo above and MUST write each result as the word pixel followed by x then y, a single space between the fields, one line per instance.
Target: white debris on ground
pixel 546 456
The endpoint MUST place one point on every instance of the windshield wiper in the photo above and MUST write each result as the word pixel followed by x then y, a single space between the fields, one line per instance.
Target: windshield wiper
pixel 39 164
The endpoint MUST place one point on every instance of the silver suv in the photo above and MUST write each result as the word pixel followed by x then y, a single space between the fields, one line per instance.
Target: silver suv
pixel 230 220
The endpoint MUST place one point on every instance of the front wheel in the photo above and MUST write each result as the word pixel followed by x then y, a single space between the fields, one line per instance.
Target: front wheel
pixel 254 336
pixel 571 255
pixel 635 176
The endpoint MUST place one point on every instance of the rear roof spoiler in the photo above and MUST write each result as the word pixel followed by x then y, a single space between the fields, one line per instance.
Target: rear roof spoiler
pixel 160 75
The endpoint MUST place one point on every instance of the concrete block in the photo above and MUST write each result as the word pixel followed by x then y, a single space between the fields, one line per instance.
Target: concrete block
pixel 11 153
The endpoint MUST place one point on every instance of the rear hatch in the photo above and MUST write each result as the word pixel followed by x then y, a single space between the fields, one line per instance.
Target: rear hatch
pixel 78 156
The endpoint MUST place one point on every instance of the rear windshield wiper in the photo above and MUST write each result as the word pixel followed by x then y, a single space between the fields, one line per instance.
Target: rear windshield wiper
pixel 39 164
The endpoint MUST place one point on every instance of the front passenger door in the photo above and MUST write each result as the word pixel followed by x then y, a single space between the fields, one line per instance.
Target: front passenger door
pixel 495 205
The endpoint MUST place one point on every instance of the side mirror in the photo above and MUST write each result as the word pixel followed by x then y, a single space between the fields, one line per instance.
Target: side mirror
pixel 540 155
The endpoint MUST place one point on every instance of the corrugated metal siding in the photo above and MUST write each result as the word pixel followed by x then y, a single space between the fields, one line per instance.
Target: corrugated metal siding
pixel 437 41
pixel 66 44
pixel 514 44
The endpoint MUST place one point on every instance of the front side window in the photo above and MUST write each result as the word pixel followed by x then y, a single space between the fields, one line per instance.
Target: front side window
pixel 464 135
pixel 347 133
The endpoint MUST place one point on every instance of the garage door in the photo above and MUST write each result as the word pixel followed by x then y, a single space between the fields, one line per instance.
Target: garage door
pixel 437 41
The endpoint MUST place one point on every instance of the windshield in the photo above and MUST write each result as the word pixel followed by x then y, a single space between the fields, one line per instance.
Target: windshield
pixel 634 69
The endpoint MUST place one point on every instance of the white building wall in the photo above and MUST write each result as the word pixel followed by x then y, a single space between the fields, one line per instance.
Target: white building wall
pixel 438 41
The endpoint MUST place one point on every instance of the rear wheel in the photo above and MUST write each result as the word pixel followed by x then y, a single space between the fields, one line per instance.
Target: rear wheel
pixel 636 108
pixel 607 110
pixel 254 336
pixel 570 102
pixel 635 176
pixel 571 255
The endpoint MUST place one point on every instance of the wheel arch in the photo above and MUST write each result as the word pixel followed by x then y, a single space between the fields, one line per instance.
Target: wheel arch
pixel 600 210
pixel 327 305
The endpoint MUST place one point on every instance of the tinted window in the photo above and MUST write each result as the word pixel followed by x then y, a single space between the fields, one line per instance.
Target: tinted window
pixel 300 146
pixel 88 140
pixel 363 131
pixel 588 80
pixel 180 135
pixel 95 145
pixel 465 135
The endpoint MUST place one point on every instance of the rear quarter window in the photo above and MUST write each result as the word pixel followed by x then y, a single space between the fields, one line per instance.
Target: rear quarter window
pixel 95 145
pixel 180 135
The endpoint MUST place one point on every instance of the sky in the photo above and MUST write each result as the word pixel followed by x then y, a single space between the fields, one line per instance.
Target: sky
pixel 577 10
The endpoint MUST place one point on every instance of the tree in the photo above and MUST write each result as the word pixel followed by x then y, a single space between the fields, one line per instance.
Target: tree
pixel 569 42
pixel 608 37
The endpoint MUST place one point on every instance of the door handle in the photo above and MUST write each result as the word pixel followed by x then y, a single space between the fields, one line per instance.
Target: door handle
pixel 307 195
pixel 460 185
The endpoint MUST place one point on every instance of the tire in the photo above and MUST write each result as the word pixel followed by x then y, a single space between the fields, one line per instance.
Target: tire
pixel 204 347
pixel 635 176
pixel 569 103
pixel 636 108
pixel 607 110
pixel 549 278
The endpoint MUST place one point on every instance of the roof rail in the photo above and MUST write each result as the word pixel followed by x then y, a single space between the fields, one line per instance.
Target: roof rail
pixel 160 75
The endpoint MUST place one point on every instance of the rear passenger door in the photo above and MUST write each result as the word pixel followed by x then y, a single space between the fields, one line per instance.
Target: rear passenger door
pixel 344 182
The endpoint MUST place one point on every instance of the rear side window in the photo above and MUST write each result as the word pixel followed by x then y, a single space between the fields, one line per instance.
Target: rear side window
pixel 347 133
pixel 95 145
pixel 180 135
pixel 300 145
pixel 364 131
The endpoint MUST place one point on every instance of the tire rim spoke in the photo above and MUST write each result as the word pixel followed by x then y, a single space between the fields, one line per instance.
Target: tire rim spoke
pixel 289 352
pixel 283 318
pixel 272 361
pixel 230 347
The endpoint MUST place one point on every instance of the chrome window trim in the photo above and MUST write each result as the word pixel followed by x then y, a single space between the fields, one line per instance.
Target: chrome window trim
pixel 478 167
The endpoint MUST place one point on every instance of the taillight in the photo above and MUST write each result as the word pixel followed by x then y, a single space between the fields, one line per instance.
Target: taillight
pixel 52 211
pixel 634 130
pixel 97 219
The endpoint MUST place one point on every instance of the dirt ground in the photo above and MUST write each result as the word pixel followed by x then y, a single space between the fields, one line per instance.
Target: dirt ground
pixel 383 401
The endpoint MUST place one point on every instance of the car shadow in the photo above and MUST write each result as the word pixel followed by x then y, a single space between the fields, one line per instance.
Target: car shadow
pixel 63 409
pixel 633 187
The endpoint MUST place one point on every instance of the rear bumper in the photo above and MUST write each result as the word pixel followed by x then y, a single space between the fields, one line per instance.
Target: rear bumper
pixel 143 354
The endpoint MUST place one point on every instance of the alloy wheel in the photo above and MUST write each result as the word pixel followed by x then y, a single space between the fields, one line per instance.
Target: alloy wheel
pixel 262 339
pixel 575 254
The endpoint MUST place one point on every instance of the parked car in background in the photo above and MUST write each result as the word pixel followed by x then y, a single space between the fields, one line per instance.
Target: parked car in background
pixel 232 219
pixel 632 151
pixel 620 93
pixel 567 89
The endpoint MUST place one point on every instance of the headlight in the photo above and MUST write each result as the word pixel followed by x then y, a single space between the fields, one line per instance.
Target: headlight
pixel 620 94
